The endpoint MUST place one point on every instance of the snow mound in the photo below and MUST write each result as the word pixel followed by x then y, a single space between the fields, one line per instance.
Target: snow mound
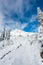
pixel 18 32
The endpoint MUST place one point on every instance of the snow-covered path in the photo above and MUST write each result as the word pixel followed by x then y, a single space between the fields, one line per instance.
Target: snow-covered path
pixel 25 54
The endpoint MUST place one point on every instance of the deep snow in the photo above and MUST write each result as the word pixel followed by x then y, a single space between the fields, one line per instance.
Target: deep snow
pixel 20 50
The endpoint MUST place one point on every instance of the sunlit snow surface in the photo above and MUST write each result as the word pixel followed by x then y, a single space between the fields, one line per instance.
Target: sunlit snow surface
pixel 21 52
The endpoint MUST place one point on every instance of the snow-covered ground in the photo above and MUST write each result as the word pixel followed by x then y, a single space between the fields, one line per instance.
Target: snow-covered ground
pixel 20 49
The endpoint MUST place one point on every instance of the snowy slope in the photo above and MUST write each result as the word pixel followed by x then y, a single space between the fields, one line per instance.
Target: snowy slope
pixel 18 32
pixel 21 51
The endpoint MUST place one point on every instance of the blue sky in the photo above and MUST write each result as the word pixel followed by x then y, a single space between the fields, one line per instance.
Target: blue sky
pixel 20 14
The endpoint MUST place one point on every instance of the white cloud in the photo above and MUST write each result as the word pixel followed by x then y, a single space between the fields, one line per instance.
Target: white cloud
pixel 33 18
pixel 10 6
pixel 1 21
pixel 15 24
pixel 24 25
pixel 16 6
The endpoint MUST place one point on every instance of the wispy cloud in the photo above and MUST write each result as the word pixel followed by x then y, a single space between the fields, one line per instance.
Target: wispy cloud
pixel 15 24
pixel 1 21
pixel 33 18
pixel 17 6
pixel 9 7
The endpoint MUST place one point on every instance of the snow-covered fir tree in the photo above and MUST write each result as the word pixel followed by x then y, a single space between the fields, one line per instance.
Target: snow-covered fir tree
pixel 40 29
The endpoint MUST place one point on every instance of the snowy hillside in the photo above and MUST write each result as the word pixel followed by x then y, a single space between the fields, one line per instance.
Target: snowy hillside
pixel 21 49
pixel 18 32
